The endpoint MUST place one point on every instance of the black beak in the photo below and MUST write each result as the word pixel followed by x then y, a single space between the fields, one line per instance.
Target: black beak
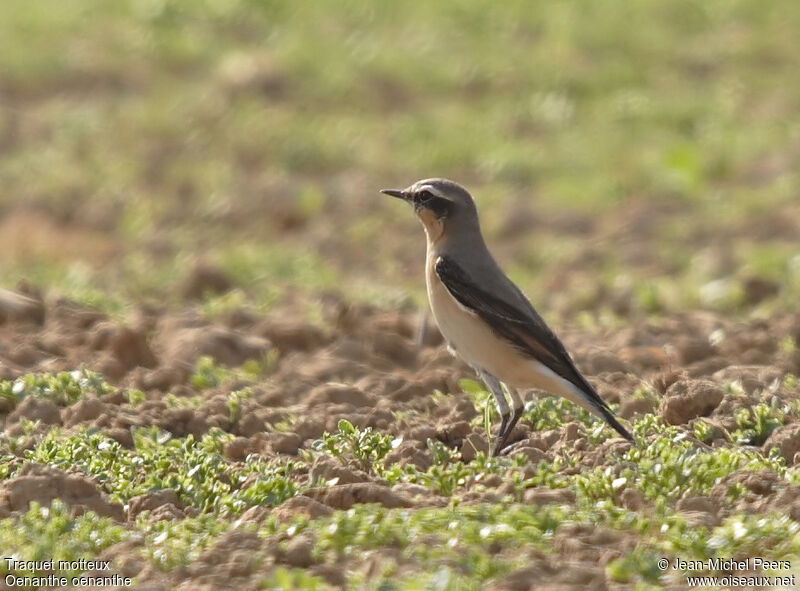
pixel 395 193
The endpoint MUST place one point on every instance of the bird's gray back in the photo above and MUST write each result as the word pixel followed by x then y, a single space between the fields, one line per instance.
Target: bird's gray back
pixel 474 257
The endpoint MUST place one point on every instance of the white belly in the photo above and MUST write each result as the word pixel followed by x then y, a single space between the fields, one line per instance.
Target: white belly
pixel 481 348
pixel 462 329
pixel 470 336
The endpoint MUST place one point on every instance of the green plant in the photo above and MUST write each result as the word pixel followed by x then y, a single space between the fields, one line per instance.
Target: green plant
pixel 51 532
pixel 64 388
pixel 757 423
pixel 366 446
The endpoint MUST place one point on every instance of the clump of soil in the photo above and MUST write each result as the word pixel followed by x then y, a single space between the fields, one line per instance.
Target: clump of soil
pixel 42 484
pixel 688 399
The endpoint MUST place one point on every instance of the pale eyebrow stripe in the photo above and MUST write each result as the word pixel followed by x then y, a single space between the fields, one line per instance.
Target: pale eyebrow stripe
pixel 432 190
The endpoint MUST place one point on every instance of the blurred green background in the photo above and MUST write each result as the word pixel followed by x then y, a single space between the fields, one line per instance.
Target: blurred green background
pixel 629 158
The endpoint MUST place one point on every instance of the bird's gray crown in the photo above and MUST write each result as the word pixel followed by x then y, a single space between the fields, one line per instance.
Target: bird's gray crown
pixel 444 188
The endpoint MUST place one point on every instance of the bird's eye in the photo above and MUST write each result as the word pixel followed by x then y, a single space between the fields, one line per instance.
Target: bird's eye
pixel 424 196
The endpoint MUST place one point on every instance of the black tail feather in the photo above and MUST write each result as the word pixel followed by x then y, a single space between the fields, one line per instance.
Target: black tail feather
pixel 612 420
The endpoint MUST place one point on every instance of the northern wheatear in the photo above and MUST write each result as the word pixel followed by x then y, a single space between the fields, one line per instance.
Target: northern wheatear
pixel 484 317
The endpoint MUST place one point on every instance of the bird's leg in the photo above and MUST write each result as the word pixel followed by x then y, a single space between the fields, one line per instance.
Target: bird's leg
pixel 502 405
pixel 519 407
pixel 422 331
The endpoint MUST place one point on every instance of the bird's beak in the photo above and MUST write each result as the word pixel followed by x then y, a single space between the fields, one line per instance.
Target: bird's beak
pixel 395 193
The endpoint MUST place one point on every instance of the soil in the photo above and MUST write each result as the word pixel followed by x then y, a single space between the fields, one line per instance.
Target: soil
pixel 363 364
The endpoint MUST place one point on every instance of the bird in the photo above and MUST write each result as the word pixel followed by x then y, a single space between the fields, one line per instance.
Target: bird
pixel 484 317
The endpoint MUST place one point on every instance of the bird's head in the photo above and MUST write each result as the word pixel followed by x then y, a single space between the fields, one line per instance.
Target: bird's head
pixel 440 204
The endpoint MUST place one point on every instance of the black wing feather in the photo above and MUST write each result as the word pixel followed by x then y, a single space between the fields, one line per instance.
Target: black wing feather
pixel 522 327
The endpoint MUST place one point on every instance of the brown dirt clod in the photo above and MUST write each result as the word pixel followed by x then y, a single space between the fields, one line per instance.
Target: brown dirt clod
pixel 205 279
pixel 301 505
pixel 36 482
pixel 687 399
pixel 345 496
pixel 153 501
pixel 299 552
pixel 36 409
pixel 17 307
pixel 787 440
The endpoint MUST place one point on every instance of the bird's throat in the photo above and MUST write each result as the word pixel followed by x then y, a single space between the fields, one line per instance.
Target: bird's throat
pixel 434 227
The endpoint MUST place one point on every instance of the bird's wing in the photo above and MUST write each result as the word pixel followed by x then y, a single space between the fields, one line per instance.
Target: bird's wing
pixel 516 322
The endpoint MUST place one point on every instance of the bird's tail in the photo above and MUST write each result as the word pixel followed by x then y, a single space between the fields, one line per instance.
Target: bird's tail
pixel 609 418
pixel 589 399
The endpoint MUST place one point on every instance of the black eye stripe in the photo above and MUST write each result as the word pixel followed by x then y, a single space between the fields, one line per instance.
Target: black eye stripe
pixel 440 206
pixel 425 199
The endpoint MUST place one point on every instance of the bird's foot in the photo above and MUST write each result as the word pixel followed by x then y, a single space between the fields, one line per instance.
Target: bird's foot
pixel 511 448
pixel 499 447
pixel 501 437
